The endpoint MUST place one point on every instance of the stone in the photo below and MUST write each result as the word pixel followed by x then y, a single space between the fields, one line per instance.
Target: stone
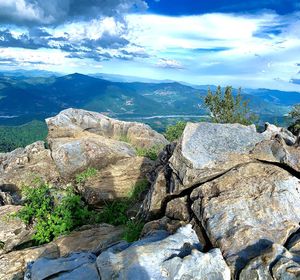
pixel 161 257
pixel 178 209
pixel 13 264
pixel 74 155
pixel 23 165
pixel 293 244
pixel 272 130
pixel 91 239
pixel 13 232
pixel 116 180
pixel 71 122
pixel 207 150
pixel 77 266
pixel 247 209
pixel 275 263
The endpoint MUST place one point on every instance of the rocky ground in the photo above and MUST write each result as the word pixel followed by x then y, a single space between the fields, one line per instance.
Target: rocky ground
pixel 224 202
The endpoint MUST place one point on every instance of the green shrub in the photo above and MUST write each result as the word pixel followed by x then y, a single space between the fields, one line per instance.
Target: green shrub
pixel 174 132
pixel 295 116
pixel 133 230
pixel 139 187
pixel 151 153
pixel 83 176
pixel 227 108
pixel 52 220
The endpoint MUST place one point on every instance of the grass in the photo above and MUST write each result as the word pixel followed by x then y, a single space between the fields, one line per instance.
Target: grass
pixel 151 153
pixel 124 138
pixel 83 176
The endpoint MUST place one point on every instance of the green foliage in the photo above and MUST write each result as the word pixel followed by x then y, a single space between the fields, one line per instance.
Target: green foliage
pixel 52 220
pixel 174 132
pixel 133 230
pixel 295 116
pixel 151 153
pixel 227 108
pixel 124 138
pixel 12 137
pixel 83 176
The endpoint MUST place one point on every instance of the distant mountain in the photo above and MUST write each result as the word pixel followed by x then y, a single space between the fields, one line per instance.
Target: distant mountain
pixel 23 99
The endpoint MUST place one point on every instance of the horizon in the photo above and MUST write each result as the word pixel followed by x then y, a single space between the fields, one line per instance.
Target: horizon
pixel 248 45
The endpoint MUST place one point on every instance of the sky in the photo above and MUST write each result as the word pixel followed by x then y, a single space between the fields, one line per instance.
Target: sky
pixel 252 44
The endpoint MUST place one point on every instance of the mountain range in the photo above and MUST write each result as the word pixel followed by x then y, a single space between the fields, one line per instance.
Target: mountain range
pixel 25 96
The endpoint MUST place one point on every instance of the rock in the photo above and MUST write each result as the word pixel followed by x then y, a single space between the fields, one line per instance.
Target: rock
pixel 177 209
pixel 116 180
pixel 247 209
pixel 272 130
pixel 160 257
pixel 71 122
pixel 23 165
pixel 77 266
pixel 293 244
pixel 165 224
pixel 276 151
pixel 9 195
pixel 74 155
pixel 207 150
pixel 89 239
pixel 13 231
pixel 275 263
pixel 13 264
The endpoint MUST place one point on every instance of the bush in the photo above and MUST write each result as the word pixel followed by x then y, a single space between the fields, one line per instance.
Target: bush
pixel 225 108
pixel 52 220
pixel 83 176
pixel 295 116
pixel 151 153
pixel 174 132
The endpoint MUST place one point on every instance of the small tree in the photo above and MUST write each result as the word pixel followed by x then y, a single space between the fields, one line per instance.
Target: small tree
pixel 295 116
pixel 227 108
pixel 173 132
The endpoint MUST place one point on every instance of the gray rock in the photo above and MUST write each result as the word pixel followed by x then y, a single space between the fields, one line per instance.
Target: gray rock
pixel 273 130
pixel 160 257
pixel 72 122
pixel 247 209
pixel 76 266
pixel 209 149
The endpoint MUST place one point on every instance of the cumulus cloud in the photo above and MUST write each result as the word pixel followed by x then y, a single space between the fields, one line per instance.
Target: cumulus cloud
pixel 41 12
pixel 169 63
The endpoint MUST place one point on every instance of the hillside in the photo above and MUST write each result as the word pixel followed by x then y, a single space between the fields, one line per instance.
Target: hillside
pixel 25 98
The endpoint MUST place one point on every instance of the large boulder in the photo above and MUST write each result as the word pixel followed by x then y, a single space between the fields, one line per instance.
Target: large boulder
pixel 71 122
pixel 247 209
pixel 116 180
pixel 13 232
pixel 207 150
pixel 177 256
pixel 23 165
pixel 74 155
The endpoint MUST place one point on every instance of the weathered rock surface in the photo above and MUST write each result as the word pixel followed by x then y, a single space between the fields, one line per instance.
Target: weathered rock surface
pixel 248 208
pixel 208 149
pixel 74 155
pixel 89 239
pixel 159 257
pixel 23 165
pixel 77 266
pixel 13 231
pixel 71 122
pixel 273 130
pixel 275 263
pixel 116 180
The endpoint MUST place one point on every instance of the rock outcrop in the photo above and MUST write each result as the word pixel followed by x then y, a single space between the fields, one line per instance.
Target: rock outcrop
pixel 85 241
pixel 240 188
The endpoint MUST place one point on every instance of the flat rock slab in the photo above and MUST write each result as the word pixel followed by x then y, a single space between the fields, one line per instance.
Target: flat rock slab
pixel 159 257
pixel 247 209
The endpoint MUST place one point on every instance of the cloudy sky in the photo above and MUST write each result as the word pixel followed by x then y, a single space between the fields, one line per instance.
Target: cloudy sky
pixel 254 43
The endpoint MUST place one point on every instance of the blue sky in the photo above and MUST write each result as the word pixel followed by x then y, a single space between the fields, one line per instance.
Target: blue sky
pixel 240 43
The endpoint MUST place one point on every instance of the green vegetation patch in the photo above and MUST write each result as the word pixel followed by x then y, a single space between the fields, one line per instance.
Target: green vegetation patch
pixel 83 176
pixel 174 132
pixel 151 153
pixel 12 137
